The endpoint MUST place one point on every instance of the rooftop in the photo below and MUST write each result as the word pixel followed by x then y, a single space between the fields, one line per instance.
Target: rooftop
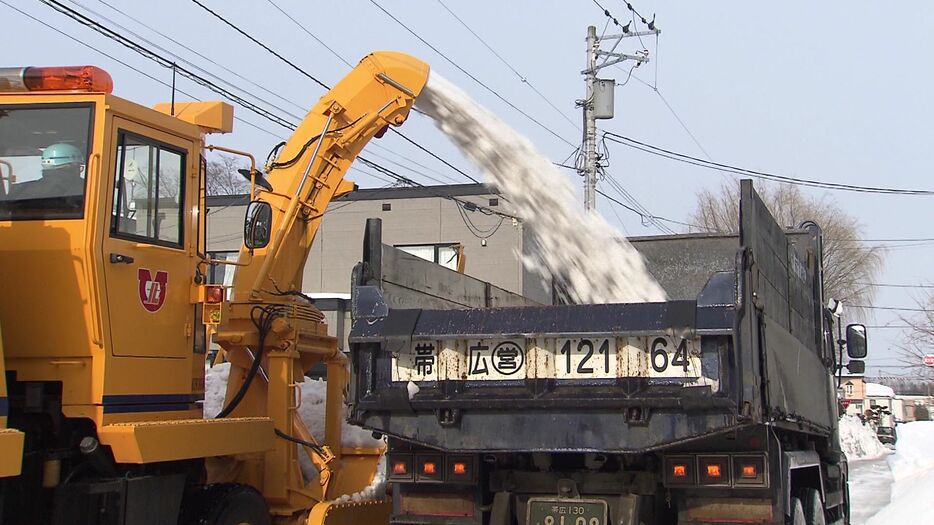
pixel 369 194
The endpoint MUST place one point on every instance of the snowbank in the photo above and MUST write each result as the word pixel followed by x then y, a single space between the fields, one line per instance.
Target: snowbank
pixel 913 469
pixel 877 390
pixel 859 441
pixel 311 410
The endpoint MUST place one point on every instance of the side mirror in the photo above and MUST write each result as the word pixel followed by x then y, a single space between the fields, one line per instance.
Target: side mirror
pixel 856 367
pixel 258 225
pixel 856 341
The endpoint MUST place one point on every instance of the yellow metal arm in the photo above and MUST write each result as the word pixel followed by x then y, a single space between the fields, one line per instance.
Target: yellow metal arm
pixel 309 170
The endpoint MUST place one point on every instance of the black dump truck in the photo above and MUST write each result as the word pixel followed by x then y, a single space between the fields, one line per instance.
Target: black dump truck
pixel 716 406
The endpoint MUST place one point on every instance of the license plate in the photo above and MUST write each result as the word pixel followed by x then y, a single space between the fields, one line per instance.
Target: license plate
pixel 566 512
pixel 661 357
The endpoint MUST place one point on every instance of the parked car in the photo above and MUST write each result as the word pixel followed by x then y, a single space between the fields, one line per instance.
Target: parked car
pixel 887 435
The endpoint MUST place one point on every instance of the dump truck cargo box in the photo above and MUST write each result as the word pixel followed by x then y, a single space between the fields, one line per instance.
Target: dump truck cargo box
pixel 734 345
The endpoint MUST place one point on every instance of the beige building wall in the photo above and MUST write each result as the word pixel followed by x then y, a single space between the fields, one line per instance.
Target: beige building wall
pixel 411 216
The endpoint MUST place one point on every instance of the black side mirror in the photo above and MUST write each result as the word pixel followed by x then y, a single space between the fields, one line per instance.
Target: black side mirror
pixel 856 367
pixel 257 227
pixel 856 341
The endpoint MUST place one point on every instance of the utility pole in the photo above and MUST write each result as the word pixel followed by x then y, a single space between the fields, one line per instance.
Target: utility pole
pixel 598 103
pixel 589 145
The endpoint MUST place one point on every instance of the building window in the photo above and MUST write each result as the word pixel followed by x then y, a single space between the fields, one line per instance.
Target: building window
pixel 387 206
pixel 872 402
pixel 849 388
pixel 447 255
pixel 148 191
pixel 494 202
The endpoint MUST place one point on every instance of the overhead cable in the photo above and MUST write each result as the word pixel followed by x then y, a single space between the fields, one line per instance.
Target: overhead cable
pixel 521 77
pixel 469 74
pixel 716 166
pixel 316 80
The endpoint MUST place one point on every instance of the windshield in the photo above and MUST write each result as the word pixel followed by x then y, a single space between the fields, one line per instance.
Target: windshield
pixel 43 161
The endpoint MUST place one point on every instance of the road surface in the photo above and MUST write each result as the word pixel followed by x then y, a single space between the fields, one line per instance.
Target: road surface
pixel 870 488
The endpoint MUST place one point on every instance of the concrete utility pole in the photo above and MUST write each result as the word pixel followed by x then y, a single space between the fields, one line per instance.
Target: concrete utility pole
pixel 598 103
pixel 589 145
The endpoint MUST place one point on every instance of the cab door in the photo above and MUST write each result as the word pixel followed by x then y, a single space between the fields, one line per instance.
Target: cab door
pixel 148 267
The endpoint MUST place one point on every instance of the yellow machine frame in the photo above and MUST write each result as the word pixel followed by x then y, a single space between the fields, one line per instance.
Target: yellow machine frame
pixel 137 374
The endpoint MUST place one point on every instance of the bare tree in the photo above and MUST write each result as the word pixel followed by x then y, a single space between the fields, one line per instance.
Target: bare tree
pixel 849 265
pixel 919 340
pixel 223 178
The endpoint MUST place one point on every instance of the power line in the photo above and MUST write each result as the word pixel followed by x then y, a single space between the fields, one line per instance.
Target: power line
pixel 127 65
pixel 915 239
pixel 178 58
pixel 166 62
pixel 470 75
pixel 637 212
pixel 522 77
pixel 892 308
pixel 260 44
pixel 315 79
pixel 200 55
pixel 681 157
pixel 646 214
pixel 889 285
pixel 84 20
pixel 309 33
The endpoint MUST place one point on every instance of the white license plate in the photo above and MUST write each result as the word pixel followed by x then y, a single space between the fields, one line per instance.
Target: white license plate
pixel 603 357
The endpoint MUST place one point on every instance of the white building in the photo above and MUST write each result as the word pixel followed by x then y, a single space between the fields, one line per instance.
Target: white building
pixel 882 396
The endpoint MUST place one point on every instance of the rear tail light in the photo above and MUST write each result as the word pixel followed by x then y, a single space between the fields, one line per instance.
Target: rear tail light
pixel 71 78
pixel 461 469
pixel 214 294
pixel 749 471
pixel 400 467
pixel 714 470
pixel 679 471
pixel 429 467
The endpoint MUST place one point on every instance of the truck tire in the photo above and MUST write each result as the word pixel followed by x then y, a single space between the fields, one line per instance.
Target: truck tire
pixel 226 504
pixel 797 512
pixel 814 508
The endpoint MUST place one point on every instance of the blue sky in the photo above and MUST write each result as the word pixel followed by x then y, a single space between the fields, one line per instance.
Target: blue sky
pixel 837 91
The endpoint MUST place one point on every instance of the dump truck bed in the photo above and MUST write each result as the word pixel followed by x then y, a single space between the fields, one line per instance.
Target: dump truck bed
pixel 730 348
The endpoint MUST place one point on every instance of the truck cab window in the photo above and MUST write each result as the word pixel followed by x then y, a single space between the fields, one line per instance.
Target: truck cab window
pixel 43 161
pixel 148 191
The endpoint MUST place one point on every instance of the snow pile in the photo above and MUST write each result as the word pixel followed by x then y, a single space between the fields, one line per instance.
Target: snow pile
pixel 913 469
pixel 215 388
pixel 577 247
pixel 859 441
pixel 877 390
pixel 311 411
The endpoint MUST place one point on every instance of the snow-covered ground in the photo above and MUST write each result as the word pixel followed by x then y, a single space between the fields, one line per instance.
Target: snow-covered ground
pixel 912 467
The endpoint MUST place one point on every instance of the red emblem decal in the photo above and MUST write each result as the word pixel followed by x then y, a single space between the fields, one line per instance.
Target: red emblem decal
pixel 152 289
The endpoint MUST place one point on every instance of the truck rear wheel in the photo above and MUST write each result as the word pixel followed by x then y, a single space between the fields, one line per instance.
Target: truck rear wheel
pixel 226 504
pixel 814 508
pixel 797 512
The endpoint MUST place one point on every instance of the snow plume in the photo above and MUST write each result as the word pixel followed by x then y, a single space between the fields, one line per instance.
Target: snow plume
pixel 578 248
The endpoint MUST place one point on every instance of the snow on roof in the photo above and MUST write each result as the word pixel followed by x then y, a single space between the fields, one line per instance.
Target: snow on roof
pixel 877 390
